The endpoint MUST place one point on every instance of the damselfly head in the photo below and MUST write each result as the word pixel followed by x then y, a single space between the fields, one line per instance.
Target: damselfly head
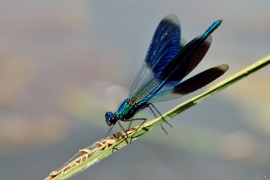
pixel 110 118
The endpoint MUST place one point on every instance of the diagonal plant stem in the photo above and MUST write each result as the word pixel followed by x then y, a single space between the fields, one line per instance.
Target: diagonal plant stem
pixel 109 145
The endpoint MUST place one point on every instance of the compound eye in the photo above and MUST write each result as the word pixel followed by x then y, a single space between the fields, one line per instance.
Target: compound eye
pixel 109 115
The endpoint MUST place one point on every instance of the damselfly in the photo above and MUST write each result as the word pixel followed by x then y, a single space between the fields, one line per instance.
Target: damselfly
pixel 167 62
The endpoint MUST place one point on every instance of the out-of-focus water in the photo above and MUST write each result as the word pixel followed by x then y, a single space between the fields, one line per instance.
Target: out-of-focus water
pixel 63 64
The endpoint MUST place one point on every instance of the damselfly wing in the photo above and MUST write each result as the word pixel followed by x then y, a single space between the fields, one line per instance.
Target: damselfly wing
pixel 166 64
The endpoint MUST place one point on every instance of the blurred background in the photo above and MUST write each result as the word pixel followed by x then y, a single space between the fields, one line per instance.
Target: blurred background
pixel 64 63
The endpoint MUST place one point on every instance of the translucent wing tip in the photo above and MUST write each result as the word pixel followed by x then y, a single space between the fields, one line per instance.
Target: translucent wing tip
pixel 183 42
pixel 172 18
pixel 223 67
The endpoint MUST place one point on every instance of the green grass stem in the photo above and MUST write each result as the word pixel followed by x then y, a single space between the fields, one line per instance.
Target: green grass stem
pixel 121 141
